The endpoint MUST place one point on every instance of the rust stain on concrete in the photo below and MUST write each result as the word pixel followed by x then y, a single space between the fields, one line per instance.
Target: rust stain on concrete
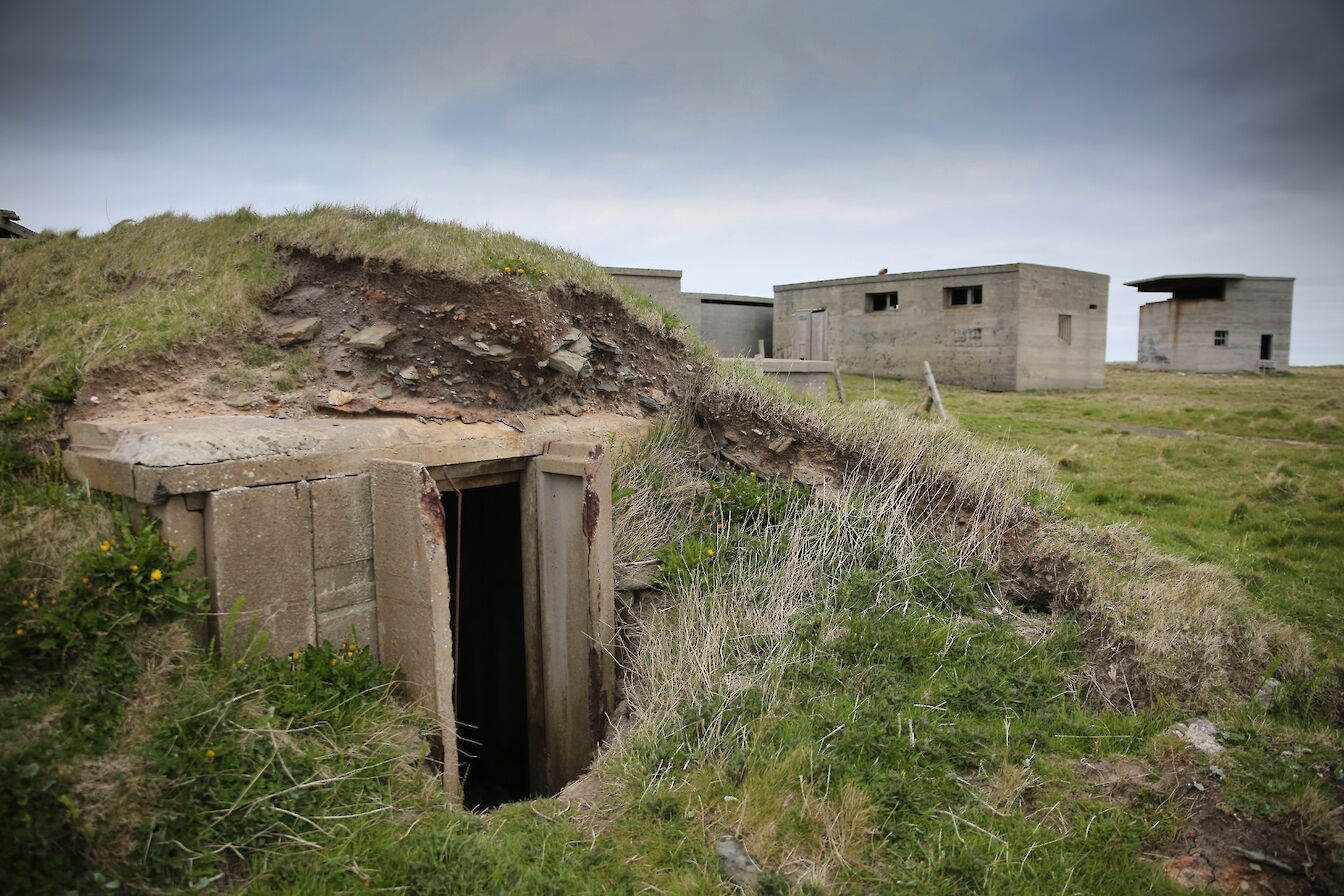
pixel 592 508
pixel 431 506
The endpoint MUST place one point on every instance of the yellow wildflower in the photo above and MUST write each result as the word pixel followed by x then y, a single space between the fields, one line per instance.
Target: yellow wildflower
pixel 333 661
pixel 157 575
pixel 507 269
pixel 709 552
pixel 105 547
pixel 209 754
pixel 19 631
pixel 27 419
pixel 84 580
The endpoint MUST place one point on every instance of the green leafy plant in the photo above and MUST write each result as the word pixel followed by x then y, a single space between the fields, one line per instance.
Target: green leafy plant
pixel 63 387
pixel 315 683
pixel 747 497
pixel 688 559
pixel 129 577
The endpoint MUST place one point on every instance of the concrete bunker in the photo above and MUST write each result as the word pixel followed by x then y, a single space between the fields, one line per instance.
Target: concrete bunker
pixel 474 557
pixel 996 327
pixel 1215 323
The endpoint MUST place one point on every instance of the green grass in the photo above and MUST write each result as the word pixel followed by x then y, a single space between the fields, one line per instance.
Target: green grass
pixel 1269 512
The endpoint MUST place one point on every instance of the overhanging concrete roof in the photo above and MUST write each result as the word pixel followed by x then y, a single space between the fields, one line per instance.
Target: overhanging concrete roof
pixel 1170 282
pixel 9 225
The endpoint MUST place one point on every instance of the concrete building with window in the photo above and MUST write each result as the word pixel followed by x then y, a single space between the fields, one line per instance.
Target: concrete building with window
pixel 735 326
pixel 1000 327
pixel 1215 323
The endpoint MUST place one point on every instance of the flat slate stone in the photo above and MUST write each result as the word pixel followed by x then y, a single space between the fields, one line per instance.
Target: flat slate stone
pixel 300 331
pixel 374 339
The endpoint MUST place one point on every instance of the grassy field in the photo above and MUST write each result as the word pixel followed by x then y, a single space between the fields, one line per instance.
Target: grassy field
pixel 1223 493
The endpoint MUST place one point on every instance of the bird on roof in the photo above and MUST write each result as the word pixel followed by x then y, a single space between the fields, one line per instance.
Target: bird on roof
pixel 881 272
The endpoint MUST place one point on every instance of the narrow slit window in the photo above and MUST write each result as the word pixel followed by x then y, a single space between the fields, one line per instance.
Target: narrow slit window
pixel 882 301
pixel 1066 328
pixel 1220 337
pixel 961 296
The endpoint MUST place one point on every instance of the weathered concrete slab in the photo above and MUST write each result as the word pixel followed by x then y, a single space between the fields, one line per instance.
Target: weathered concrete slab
pixel 341 586
pixel 805 378
pixel 358 623
pixel 411 569
pixel 259 547
pixel 342 521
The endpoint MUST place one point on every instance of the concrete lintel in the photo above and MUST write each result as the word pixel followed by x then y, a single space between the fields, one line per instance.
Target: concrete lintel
pixel 151 461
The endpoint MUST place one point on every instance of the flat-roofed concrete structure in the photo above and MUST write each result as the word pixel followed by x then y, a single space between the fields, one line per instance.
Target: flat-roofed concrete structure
pixel 475 558
pixel 1215 323
pixel 735 326
pixel 1001 327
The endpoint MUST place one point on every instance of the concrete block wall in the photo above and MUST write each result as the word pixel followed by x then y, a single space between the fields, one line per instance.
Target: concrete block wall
pixel 343 561
pixel 1046 359
pixel 300 555
pixel 974 345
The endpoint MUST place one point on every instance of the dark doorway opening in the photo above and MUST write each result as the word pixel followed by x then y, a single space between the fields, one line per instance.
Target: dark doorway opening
pixel 490 663
pixel 1266 347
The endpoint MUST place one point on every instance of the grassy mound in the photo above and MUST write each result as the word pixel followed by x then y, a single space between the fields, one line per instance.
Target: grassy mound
pixel 144 289
pixel 881 654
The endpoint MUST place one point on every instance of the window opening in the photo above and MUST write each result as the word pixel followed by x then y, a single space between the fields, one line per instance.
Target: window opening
pixel 882 301
pixel 484 537
pixel 957 296
pixel 1220 337
pixel 1266 347
pixel 1066 328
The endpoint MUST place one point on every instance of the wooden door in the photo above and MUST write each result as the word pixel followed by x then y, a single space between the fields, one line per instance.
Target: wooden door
pixel 569 612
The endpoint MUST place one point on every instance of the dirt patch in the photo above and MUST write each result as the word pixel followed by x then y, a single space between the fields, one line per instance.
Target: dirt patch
pixel 1037 580
pixel 1220 848
pixel 455 350
pixel 475 351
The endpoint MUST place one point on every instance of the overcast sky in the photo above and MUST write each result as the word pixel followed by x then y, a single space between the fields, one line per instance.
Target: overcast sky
pixel 746 143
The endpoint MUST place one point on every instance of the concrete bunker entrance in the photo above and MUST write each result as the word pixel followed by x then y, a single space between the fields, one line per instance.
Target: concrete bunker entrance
pixel 323 529
pixel 484 534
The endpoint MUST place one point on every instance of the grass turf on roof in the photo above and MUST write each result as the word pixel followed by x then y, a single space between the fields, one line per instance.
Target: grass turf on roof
pixel 144 289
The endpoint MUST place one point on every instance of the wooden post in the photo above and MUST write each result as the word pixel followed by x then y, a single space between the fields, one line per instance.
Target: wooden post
pixel 839 384
pixel 933 391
